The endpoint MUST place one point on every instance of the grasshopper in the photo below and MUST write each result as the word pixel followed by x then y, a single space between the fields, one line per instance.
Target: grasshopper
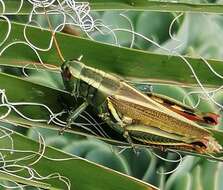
pixel 138 117
pixel 130 112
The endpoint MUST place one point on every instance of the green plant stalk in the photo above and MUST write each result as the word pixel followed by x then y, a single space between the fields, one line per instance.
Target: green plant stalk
pixel 136 5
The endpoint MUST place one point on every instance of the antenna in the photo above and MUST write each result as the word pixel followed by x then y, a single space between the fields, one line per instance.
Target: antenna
pixel 53 35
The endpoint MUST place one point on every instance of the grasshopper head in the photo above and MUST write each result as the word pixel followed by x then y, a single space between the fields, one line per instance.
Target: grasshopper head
pixel 71 71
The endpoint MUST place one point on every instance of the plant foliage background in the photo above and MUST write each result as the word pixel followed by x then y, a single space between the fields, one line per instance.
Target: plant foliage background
pixel 194 35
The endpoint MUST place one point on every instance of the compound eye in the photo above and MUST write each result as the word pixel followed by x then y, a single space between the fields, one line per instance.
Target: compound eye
pixel 66 73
